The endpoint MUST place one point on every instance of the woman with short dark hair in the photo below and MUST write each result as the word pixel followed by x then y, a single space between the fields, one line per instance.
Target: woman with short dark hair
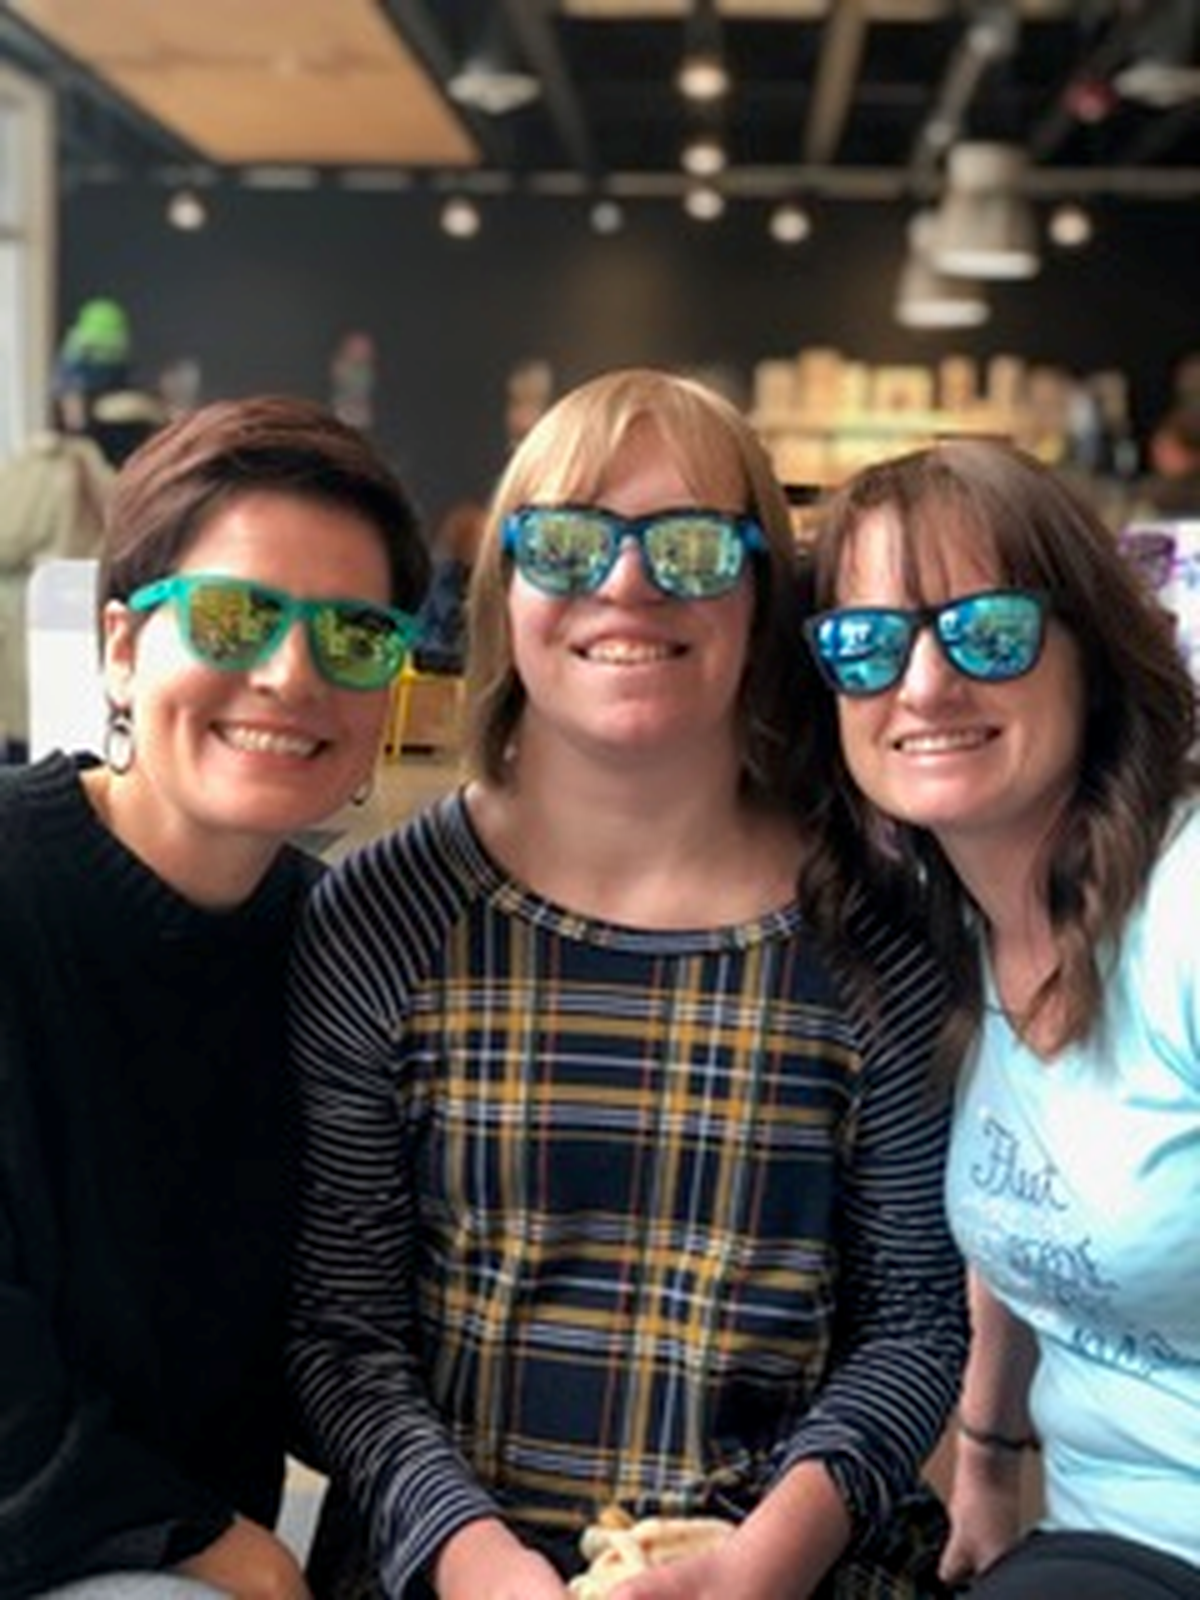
pixel 256 592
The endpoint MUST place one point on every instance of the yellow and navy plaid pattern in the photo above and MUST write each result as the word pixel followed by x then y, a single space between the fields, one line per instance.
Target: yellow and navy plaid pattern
pixel 601 1215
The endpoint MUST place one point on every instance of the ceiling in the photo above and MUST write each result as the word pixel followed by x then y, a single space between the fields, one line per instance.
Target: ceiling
pixel 852 99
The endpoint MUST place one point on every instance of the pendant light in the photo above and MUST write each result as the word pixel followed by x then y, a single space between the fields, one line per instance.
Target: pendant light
pixel 927 298
pixel 985 226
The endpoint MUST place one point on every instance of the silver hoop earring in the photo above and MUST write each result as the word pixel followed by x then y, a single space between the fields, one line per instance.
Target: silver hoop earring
pixel 364 792
pixel 119 741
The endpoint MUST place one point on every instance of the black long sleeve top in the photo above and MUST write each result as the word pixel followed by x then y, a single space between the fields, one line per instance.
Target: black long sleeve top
pixel 145 1196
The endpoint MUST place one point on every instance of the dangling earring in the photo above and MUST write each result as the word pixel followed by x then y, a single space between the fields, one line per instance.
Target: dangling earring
pixel 119 742
pixel 364 791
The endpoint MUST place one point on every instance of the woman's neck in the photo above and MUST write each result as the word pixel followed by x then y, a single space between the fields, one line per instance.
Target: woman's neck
pixel 213 871
pixel 650 846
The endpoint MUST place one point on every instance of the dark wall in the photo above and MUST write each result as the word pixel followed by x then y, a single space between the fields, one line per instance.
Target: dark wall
pixel 263 295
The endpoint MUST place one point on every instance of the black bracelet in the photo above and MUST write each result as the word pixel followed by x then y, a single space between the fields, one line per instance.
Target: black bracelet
pixel 997 1441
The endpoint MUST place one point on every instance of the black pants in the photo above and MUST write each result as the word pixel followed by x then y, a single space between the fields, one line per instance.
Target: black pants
pixel 1087 1566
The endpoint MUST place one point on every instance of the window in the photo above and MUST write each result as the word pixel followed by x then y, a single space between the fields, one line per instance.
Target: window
pixel 26 262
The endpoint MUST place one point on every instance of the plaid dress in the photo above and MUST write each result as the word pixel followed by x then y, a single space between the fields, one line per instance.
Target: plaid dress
pixel 601 1215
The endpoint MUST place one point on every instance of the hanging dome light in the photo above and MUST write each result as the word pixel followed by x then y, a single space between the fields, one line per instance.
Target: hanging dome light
pixel 491 79
pixel 927 298
pixel 985 227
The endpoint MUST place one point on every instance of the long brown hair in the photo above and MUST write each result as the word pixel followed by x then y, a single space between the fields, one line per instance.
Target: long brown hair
pixel 1136 753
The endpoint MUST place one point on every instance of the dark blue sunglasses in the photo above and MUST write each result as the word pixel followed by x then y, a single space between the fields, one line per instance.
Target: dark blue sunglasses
pixel 991 637
pixel 690 553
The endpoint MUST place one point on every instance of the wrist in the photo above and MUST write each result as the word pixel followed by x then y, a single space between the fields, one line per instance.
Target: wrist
pixel 993 1439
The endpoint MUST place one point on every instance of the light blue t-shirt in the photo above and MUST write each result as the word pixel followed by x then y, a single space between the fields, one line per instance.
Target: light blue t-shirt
pixel 1074 1187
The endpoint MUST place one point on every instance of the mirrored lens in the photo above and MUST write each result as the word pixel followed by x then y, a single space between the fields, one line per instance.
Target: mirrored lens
pixel 356 647
pixel 864 651
pixel 232 625
pixel 564 551
pixel 694 556
pixel 992 637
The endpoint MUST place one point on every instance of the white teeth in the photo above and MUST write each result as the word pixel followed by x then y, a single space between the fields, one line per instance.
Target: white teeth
pixel 629 652
pixel 263 741
pixel 935 743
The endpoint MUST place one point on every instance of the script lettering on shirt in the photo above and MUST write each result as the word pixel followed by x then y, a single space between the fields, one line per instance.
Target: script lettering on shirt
pixel 1002 1174
pixel 1061 1273
pixel 1143 1355
pixel 1057 1271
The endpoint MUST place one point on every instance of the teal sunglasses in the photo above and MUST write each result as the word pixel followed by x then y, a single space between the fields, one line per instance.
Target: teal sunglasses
pixel 991 637
pixel 690 553
pixel 234 625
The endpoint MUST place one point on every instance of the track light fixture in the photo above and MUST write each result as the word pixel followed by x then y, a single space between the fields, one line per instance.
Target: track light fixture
pixel 703 76
pixel 790 223
pixel 187 211
pixel 703 156
pixel 460 218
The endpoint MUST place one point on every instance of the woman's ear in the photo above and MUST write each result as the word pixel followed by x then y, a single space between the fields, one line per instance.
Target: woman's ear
pixel 120 629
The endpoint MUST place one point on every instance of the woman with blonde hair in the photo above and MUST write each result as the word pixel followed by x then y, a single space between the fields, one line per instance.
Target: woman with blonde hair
pixel 622 1202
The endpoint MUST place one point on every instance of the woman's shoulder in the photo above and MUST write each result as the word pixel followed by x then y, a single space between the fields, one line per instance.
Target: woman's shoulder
pixel 1172 883
pixel 41 807
pixel 430 860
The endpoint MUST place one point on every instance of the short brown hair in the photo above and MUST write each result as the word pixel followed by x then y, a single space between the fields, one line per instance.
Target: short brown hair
pixel 175 483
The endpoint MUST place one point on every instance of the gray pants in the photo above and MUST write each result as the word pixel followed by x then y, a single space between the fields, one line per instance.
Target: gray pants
pixel 135 1586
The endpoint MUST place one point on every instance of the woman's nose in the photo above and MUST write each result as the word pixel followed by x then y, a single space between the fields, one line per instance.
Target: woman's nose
pixel 928 674
pixel 628 577
pixel 289 670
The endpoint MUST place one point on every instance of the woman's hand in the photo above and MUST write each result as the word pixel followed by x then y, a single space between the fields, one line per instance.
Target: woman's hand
pixel 985 1510
pixel 485 1561
pixel 782 1551
pixel 706 1577
pixel 249 1563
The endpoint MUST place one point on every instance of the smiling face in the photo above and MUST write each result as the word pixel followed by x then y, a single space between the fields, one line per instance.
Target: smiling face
pixel 244 758
pixel 981 765
pixel 627 668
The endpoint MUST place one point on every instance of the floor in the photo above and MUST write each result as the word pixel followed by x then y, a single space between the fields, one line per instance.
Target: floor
pixel 401 787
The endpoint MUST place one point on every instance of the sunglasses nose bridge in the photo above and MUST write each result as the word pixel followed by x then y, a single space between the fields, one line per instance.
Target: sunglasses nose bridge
pixel 926 662
pixel 291 654
pixel 629 561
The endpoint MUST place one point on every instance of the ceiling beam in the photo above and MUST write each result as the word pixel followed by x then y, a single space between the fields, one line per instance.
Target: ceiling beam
pixel 843 40
pixel 532 27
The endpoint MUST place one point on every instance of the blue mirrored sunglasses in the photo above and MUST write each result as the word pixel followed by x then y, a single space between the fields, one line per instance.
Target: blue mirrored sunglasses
pixel 991 637
pixel 235 625
pixel 690 553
